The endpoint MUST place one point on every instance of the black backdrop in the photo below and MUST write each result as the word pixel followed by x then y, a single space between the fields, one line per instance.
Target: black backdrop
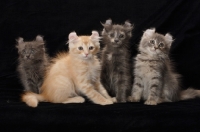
pixel 55 19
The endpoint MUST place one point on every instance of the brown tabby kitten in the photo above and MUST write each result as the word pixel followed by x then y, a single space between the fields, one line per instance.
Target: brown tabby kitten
pixel 155 80
pixel 33 61
pixel 116 60
pixel 73 74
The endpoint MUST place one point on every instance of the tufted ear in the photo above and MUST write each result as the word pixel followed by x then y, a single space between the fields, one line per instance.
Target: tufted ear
pixel 128 27
pixel 95 36
pixel 108 22
pixel 108 25
pixel 39 39
pixel 169 39
pixel 149 32
pixel 72 37
pixel 20 40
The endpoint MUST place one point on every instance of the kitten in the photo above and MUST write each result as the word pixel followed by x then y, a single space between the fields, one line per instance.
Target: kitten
pixel 155 80
pixel 73 74
pixel 116 57
pixel 33 61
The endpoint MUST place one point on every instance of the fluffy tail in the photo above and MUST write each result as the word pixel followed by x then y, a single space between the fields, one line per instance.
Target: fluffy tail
pixel 32 99
pixel 189 94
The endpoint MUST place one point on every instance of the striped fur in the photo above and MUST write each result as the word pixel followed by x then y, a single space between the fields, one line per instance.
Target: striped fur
pixel 155 79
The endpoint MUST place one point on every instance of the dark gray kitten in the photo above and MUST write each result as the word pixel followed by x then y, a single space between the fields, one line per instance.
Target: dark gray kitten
pixel 115 59
pixel 155 80
pixel 33 62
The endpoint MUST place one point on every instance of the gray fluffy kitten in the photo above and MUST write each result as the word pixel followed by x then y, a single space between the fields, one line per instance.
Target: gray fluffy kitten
pixel 155 80
pixel 33 62
pixel 116 65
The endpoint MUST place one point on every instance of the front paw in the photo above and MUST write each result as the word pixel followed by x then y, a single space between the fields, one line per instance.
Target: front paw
pixel 114 100
pixel 150 102
pixel 133 99
pixel 106 102
pixel 121 100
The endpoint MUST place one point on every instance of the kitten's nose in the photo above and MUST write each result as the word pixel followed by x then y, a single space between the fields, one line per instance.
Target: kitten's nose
pixel 86 54
pixel 116 40
pixel 27 56
pixel 155 48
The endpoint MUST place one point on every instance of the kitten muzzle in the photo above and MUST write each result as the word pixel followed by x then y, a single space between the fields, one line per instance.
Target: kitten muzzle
pixel 116 40
pixel 156 48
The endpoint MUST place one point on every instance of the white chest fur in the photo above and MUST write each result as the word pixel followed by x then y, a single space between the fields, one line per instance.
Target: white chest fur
pixel 109 56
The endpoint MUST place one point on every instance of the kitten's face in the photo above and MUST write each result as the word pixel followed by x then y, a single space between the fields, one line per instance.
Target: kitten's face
pixel 84 47
pixel 32 50
pixel 116 34
pixel 155 44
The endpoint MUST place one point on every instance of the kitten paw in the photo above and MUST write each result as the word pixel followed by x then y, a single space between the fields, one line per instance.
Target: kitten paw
pixel 32 103
pixel 114 100
pixel 80 99
pixel 150 102
pixel 121 101
pixel 30 100
pixel 133 99
pixel 77 99
pixel 106 102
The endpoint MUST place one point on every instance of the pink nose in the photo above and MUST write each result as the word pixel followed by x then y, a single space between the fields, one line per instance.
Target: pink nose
pixel 86 54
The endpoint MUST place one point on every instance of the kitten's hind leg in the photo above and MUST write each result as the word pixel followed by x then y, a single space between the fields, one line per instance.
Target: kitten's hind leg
pixel 77 99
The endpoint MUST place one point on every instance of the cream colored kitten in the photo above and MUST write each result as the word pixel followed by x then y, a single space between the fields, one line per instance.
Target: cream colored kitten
pixel 73 74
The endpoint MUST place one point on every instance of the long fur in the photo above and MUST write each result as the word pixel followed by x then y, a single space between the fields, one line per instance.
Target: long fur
pixel 33 61
pixel 189 93
pixel 115 59
pixel 155 80
pixel 73 74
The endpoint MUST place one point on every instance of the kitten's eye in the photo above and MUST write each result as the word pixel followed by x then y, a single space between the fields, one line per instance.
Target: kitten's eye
pixel 161 45
pixel 91 48
pixel 23 52
pixel 80 48
pixel 152 41
pixel 121 36
pixel 32 50
pixel 112 35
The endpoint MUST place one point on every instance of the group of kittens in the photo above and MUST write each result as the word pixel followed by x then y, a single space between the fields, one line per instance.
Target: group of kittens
pixel 107 78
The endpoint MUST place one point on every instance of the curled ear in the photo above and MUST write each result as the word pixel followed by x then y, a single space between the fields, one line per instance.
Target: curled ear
pixel 169 39
pixel 95 36
pixel 127 24
pixel 39 39
pixel 128 27
pixel 72 37
pixel 20 40
pixel 107 25
pixel 108 22
pixel 149 32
